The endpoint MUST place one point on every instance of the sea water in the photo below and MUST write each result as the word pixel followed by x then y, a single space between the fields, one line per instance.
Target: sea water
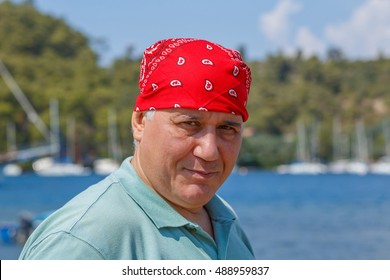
pixel 290 217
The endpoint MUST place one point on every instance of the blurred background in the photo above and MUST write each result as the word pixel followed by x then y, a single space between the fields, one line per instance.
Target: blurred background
pixel 319 104
pixel 320 74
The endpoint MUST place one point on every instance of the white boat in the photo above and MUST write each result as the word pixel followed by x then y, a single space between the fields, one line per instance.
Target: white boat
pixel 12 169
pixel 312 168
pixel 338 166
pixel 105 166
pixel 381 167
pixel 348 167
pixel 306 163
pixel 340 146
pixel 358 165
pixel 49 167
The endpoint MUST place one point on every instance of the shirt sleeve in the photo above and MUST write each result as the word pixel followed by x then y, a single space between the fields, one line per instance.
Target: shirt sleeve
pixel 61 246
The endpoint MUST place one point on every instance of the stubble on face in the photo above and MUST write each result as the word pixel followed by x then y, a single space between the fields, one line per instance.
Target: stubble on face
pixel 186 155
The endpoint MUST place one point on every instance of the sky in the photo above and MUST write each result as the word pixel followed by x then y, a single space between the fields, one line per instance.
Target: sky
pixel 360 28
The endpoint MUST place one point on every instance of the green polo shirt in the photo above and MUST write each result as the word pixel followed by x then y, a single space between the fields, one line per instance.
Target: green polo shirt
pixel 122 218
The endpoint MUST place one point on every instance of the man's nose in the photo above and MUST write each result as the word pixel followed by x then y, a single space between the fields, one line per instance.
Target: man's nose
pixel 207 146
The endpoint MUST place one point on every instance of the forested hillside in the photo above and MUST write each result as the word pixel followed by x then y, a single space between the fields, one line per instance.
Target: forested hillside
pixel 51 60
pixel 48 59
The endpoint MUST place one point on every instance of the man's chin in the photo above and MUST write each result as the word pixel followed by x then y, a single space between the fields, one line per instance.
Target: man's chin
pixel 199 192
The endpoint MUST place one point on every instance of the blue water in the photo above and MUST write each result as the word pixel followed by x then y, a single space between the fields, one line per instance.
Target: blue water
pixel 285 216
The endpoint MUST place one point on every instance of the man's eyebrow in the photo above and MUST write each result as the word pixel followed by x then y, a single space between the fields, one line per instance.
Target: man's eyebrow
pixel 233 123
pixel 190 116
pixel 195 116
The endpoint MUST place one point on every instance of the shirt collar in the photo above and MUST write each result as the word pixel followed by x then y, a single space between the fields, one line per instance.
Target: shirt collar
pixel 220 211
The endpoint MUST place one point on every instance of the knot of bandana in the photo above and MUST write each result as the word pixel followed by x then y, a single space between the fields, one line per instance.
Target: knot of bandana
pixel 193 74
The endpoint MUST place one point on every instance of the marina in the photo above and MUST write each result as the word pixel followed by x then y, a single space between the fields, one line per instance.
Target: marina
pixel 328 216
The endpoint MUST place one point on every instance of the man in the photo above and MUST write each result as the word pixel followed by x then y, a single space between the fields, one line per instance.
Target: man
pixel 161 203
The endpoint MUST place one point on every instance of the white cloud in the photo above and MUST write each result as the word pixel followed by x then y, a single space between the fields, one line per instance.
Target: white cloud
pixel 275 24
pixel 362 35
pixel 365 33
pixel 310 44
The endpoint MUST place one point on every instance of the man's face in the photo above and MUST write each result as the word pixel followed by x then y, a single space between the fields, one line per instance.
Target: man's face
pixel 186 155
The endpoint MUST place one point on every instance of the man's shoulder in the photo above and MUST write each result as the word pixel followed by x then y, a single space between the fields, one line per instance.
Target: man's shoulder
pixel 106 205
pixel 101 213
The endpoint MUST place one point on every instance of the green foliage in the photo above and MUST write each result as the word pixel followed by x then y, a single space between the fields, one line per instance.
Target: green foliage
pixel 265 151
pixel 286 90
pixel 49 59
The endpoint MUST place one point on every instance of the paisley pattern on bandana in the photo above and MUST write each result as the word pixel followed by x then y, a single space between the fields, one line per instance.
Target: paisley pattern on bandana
pixel 193 74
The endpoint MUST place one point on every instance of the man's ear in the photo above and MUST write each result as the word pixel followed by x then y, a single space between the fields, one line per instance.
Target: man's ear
pixel 138 125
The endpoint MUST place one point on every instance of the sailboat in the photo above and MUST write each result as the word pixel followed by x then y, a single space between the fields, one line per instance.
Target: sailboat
pixel 382 166
pixel 14 154
pixel 104 166
pixel 11 169
pixel 357 161
pixel 305 163
pixel 340 145
pixel 359 164
pixel 50 166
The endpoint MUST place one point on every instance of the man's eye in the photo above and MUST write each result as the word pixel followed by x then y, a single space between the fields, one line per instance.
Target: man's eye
pixel 229 130
pixel 226 127
pixel 191 123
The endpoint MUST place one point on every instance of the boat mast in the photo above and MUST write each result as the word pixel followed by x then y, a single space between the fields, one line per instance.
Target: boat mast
pixel 301 145
pixel 23 101
pixel 11 137
pixel 34 118
pixel 114 150
pixel 55 127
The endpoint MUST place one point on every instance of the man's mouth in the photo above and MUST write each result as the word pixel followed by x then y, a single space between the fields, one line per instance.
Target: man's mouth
pixel 205 174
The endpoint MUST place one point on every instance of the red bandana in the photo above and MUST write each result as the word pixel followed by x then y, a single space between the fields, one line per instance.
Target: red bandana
pixel 193 74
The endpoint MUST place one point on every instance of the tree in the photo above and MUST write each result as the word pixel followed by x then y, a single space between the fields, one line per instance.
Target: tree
pixel 49 60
